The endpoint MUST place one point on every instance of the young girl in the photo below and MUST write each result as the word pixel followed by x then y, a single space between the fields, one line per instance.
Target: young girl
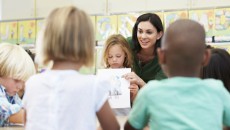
pixel 62 98
pixel 117 54
pixel 16 67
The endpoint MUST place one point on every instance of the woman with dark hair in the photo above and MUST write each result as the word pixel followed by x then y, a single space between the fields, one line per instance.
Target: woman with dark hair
pixel 146 38
pixel 218 67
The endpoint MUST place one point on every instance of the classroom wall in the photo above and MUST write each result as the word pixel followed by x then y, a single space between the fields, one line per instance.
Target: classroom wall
pixel 23 9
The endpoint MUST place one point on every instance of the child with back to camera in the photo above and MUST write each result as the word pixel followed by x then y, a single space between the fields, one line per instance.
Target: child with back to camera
pixel 62 98
pixel 117 54
pixel 218 67
pixel 16 67
pixel 183 101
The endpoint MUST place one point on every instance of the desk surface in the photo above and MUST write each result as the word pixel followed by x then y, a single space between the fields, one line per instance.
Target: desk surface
pixel 121 121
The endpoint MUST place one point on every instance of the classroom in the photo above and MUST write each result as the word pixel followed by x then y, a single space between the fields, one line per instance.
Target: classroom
pixel 120 51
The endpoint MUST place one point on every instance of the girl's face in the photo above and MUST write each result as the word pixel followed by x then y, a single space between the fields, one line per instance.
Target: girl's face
pixel 12 86
pixel 147 35
pixel 116 57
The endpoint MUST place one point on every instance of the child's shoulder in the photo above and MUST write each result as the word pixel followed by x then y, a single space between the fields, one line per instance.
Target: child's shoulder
pixel 213 83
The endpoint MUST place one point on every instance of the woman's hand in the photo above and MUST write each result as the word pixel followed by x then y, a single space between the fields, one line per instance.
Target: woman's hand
pixel 134 79
pixel 133 91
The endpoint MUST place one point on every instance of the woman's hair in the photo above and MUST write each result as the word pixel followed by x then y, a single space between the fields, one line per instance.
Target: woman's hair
pixel 68 36
pixel 15 62
pixel 218 67
pixel 155 20
pixel 118 39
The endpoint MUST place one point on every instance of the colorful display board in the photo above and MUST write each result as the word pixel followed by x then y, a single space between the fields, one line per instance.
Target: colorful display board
pixel 9 32
pixel 222 22
pixel 161 15
pixel 106 26
pixel 93 19
pixel 204 17
pixel 27 32
pixel 126 23
pixel 39 25
pixel 170 17
pixel 222 46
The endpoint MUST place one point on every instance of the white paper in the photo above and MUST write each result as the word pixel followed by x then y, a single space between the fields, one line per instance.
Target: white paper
pixel 119 92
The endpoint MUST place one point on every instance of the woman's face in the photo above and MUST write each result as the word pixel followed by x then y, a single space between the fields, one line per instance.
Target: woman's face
pixel 147 35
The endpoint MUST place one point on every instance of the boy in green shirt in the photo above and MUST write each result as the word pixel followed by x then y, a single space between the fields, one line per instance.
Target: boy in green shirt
pixel 183 101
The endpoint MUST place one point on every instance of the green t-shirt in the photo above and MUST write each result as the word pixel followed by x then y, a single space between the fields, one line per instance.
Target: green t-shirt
pixel 182 103
pixel 150 70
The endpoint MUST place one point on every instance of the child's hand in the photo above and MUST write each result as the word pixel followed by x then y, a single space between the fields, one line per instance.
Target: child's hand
pixel 133 91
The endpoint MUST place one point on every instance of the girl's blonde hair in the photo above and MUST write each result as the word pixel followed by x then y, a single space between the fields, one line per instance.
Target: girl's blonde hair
pixel 68 36
pixel 117 39
pixel 15 62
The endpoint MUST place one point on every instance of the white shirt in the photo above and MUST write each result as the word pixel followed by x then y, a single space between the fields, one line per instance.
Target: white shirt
pixel 63 100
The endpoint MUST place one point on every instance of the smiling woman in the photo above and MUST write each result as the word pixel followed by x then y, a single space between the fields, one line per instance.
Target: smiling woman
pixel 147 33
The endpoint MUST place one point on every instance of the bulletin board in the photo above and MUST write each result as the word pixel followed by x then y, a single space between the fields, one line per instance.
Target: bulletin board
pixel 204 17
pixel 93 19
pixel 126 23
pixel 105 26
pixel 222 22
pixel 222 46
pixel 26 32
pixel 9 32
pixel 161 15
pixel 39 24
pixel 170 17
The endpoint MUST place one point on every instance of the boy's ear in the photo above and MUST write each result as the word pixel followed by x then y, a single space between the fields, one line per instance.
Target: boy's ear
pixel 161 56
pixel 206 57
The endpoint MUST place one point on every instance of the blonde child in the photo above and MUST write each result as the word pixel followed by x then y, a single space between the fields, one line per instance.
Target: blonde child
pixel 117 54
pixel 183 101
pixel 16 67
pixel 62 98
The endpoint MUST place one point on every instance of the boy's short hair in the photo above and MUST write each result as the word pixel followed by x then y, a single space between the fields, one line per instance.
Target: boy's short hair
pixel 68 36
pixel 15 62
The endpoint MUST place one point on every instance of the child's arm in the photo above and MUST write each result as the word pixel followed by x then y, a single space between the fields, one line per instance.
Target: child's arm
pixel 7 109
pixel 17 117
pixel 106 118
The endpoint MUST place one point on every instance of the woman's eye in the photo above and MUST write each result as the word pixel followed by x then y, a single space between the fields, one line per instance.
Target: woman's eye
pixel 149 32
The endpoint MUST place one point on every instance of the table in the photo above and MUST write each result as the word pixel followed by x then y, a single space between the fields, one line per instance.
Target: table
pixel 121 120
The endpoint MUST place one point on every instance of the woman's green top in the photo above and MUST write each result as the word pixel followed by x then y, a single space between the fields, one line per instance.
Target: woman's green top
pixel 150 71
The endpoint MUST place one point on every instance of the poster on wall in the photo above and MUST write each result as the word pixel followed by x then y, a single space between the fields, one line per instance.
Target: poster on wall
pixel 126 23
pixel 170 17
pixel 222 46
pixel 105 26
pixel 9 32
pixel 26 32
pixel 204 17
pixel 222 24
pixel 93 19
pixel 91 69
pixel 118 87
pixel 39 25
pixel 161 15
pixel 99 58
